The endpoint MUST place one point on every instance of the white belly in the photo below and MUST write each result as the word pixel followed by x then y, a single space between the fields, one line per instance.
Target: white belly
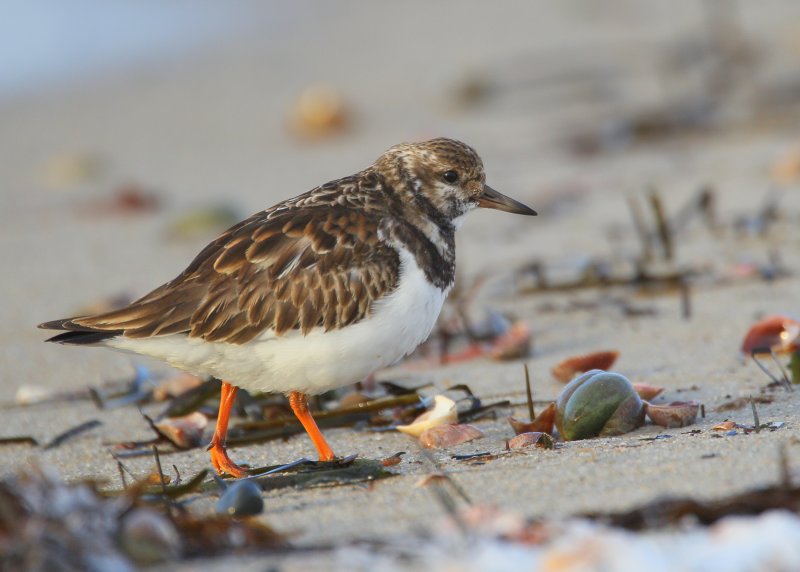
pixel 319 360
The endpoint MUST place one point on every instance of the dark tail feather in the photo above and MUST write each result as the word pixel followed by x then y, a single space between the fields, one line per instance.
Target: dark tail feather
pixel 75 334
pixel 82 338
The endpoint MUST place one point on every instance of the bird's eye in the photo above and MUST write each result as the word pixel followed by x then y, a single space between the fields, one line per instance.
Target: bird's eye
pixel 450 176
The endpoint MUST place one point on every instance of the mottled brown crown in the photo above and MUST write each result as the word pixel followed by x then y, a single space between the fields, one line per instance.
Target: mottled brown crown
pixel 416 171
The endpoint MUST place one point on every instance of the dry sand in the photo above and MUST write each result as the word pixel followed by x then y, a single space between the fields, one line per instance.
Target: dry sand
pixel 211 127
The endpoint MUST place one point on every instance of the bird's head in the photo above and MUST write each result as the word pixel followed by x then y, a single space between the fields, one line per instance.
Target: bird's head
pixel 442 176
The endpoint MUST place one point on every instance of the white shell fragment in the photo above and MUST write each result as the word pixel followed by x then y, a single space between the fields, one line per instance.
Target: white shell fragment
pixel 30 394
pixel 443 412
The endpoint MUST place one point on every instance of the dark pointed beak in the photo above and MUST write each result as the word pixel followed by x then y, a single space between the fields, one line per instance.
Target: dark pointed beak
pixel 491 199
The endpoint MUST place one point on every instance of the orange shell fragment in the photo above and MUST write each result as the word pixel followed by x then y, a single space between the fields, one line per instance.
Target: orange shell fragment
pixel 779 334
pixel 648 392
pixel 724 426
pixel 542 424
pixel 570 367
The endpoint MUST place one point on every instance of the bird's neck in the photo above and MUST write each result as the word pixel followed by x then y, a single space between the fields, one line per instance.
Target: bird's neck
pixel 417 226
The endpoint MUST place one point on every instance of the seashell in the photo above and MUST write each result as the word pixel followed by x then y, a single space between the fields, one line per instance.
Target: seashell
pixel 676 414
pixel 184 432
pixel 444 436
pixel 443 412
pixel 779 334
pixel 543 422
pixel 242 498
pixel 724 426
pixel 532 439
pixel 319 111
pixel 30 394
pixel 175 386
pixel 598 403
pixel 514 344
pixel 148 537
pixel 647 392
pixel 570 367
pixel 393 460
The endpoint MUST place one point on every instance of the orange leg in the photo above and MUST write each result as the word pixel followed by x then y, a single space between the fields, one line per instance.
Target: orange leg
pixel 219 456
pixel 299 403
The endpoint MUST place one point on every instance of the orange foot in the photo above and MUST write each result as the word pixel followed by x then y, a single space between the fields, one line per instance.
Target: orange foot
pixel 223 464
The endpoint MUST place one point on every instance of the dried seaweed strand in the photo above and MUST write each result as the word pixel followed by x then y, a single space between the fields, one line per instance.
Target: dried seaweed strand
pixel 529 394
pixel 73 432
pixel 662 227
pixel 756 422
pixel 640 226
pixel 167 505
pixel 784 381
pixel 122 476
pixel 19 440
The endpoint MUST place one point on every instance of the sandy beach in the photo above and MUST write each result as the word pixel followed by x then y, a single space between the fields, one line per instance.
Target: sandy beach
pixel 554 88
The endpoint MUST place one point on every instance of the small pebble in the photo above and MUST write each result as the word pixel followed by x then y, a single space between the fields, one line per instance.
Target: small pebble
pixel 243 498
pixel 731 433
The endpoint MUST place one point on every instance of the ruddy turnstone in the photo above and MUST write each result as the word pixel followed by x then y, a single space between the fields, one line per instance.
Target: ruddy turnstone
pixel 316 292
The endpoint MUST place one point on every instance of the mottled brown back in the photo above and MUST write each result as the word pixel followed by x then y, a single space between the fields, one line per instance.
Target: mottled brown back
pixel 309 262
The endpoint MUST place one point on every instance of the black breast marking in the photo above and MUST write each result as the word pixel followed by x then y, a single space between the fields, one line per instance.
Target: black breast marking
pixel 439 267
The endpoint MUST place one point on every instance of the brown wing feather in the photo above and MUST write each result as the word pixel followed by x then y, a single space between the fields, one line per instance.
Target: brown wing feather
pixel 282 269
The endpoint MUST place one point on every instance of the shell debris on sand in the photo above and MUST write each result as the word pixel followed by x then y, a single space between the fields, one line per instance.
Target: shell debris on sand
pixel 443 412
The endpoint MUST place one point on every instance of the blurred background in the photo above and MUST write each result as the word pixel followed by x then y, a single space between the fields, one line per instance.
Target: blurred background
pixel 132 132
